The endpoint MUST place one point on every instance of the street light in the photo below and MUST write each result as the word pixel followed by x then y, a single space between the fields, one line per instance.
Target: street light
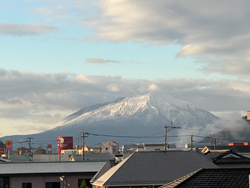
pixel 63 179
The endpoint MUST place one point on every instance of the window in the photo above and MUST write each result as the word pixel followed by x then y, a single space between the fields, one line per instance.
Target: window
pixel 26 185
pixel 52 185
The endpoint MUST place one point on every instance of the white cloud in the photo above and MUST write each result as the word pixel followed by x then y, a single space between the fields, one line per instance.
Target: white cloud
pixel 25 29
pixel 100 60
pixel 113 88
pixel 64 91
pixel 216 33
pixel 45 99
pixel 189 50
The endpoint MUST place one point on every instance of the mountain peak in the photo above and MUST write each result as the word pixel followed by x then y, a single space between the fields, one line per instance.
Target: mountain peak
pixel 151 108
pixel 138 115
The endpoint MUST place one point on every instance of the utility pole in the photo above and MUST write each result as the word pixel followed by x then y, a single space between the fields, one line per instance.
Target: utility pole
pixel 78 144
pixel 191 142
pixel 167 129
pixel 21 142
pixel 29 142
pixel 83 143
pixel 214 141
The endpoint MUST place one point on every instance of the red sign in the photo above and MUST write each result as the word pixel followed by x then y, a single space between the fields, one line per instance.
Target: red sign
pixel 1 151
pixel 8 144
pixel 63 143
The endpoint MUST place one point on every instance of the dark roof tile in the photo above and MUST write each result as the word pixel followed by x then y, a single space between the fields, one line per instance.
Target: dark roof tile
pixel 210 178
pixel 154 168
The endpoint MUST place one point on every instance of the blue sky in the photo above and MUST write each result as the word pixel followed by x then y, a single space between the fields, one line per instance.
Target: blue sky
pixel 60 56
pixel 67 49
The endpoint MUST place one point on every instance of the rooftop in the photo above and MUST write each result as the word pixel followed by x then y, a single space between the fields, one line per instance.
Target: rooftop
pixel 210 178
pixel 49 167
pixel 153 168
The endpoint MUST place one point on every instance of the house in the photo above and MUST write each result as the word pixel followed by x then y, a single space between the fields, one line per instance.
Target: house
pixel 47 174
pixel 240 149
pixel 152 169
pixel 110 147
pixel 211 178
pixel 130 148
pixel 228 158
pixel 109 164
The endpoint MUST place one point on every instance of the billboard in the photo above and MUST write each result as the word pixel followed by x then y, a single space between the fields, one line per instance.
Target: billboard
pixel 8 144
pixel 248 115
pixel 63 143
pixel 2 151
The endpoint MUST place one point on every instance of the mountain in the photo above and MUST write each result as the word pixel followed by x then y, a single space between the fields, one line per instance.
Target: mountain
pixel 132 119
pixel 150 109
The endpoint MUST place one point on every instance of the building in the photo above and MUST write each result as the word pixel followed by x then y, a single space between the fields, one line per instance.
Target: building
pixel 47 174
pixel 110 147
pixel 153 147
pixel 228 158
pixel 152 169
pixel 240 149
pixel 211 178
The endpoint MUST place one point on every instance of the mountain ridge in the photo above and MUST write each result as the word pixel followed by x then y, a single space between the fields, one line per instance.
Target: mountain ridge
pixel 138 116
pixel 144 107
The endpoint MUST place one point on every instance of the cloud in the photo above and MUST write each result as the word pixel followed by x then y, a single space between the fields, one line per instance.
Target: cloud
pixel 27 129
pixel 113 88
pixel 215 33
pixel 53 13
pixel 25 29
pixel 26 94
pixel 100 60
pixel 45 99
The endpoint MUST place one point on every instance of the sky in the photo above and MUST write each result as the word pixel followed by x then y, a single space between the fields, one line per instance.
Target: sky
pixel 57 57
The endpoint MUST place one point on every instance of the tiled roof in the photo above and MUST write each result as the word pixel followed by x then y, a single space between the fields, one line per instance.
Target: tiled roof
pixel 236 149
pixel 153 168
pixel 50 167
pixel 212 155
pixel 211 178
pixel 227 157
pixel 109 164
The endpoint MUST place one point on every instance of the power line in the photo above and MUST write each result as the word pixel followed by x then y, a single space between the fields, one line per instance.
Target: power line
pixel 93 134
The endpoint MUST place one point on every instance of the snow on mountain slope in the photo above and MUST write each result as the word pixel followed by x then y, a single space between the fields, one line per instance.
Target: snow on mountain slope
pixel 138 116
pixel 151 108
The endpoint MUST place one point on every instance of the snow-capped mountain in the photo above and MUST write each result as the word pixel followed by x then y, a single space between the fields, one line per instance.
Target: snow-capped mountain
pixel 152 109
pixel 129 120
